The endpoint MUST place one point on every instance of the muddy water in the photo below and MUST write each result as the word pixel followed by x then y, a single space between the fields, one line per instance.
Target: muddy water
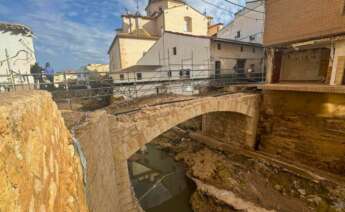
pixel 159 182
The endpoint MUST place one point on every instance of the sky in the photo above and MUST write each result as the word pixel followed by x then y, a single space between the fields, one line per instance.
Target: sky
pixel 73 33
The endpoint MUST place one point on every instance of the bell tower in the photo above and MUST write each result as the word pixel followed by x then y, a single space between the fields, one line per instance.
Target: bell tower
pixel 157 6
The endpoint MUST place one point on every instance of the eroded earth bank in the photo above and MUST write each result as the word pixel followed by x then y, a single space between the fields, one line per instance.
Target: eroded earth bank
pixel 229 179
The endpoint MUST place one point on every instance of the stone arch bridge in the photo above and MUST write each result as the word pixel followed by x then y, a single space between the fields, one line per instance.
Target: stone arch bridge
pixel 132 131
pixel 119 137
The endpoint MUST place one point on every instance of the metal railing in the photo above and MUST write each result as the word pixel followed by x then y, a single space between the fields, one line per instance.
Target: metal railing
pixel 84 85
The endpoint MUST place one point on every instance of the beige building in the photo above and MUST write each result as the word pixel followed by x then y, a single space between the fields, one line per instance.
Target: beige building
pixel 98 69
pixel 175 41
pixel 214 29
pixel 61 79
pixel 139 33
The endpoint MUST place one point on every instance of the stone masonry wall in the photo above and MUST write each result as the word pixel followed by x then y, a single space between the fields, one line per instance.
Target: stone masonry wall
pixel 108 183
pixel 230 128
pixel 133 131
pixel 39 168
pixel 308 128
pixel 95 140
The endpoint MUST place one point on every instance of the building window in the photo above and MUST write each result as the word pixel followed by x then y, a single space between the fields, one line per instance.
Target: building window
pixel 187 24
pixel 169 74
pixel 185 73
pixel 238 34
pixel 122 77
pixel 175 51
pixel 139 76
pixel 219 46
pixel 254 49
pixel 242 48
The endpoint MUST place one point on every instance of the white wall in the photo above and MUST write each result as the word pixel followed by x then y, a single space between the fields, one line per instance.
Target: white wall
pixel 248 23
pixel 21 48
pixel 230 53
pixel 192 53
pixel 339 51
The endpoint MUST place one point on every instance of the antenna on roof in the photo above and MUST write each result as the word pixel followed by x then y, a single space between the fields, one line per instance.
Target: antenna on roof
pixel 137 13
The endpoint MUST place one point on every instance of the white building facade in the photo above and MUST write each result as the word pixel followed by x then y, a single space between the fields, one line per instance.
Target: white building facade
pixel 17 54
pixel 232 56
pixel 248 24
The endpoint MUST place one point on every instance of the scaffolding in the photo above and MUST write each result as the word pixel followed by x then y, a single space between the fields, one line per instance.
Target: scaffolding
pixel 176 78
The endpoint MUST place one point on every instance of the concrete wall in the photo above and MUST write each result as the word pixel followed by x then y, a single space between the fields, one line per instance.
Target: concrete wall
pixel 39 167
pixel 304 20
pixel 249 23
pixel 307 128
pixel 307 65
pixel 21 51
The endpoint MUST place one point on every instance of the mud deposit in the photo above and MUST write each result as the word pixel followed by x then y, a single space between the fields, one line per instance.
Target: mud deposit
pixel 233 181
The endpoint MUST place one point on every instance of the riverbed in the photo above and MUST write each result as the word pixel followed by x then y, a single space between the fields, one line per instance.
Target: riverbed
pixel 159 182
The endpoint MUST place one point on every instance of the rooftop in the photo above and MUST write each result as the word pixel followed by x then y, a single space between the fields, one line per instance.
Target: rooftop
pixel 15 28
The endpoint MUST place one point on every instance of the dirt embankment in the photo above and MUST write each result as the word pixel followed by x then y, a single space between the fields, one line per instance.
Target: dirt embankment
pixel 232 181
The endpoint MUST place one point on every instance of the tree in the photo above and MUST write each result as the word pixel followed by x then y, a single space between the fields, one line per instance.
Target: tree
pixel 36 70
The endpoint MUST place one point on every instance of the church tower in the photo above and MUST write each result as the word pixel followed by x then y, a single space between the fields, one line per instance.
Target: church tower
pixel 157 6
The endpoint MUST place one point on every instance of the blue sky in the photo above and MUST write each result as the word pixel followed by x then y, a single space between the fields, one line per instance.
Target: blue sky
pixel 73 33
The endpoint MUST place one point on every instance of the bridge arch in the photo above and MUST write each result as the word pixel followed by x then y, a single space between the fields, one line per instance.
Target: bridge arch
pixel 118 137
pixel 131 132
